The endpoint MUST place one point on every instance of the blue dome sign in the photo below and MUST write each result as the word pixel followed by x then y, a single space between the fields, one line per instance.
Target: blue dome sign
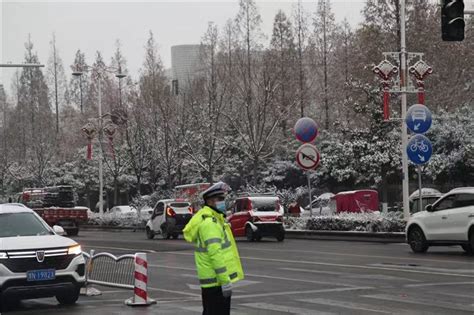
pixel 418 118
pixel 419 149
pixel 306 130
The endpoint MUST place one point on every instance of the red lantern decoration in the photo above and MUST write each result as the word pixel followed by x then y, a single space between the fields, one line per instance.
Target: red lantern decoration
pixel 385 70
pixel 420 70
pixel 109 130
pixel 89 130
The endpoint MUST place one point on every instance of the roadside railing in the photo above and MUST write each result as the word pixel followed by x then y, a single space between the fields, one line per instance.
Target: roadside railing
pixel 128 271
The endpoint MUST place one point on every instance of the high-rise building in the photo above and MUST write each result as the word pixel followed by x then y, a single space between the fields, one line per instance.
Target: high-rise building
pixel 185 60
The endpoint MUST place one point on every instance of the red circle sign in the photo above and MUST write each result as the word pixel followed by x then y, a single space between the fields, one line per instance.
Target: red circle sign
pixel 307 157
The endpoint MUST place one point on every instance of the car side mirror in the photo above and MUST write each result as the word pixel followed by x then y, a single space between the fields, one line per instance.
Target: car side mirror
pixel 429 208
pixel 58 230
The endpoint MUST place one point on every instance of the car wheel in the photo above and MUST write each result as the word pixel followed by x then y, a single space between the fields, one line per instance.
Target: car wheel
pixel 68 298
pixel 164 234
pixel 258 238
pixel 149 233
pixel 467 248
pixel 417 240
pixel 280 237
pixel 249 234
pixel 72 232
pixel 175 236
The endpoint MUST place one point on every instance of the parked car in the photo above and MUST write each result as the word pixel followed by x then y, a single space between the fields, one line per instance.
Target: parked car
pixel 449 221
pixel 428 196
pixel 324 204
pixel 257 215
pixel 169 218
pixel 35 261
pixel 123 211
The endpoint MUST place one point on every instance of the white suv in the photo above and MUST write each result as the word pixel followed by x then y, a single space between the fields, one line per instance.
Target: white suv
pixel 35 261
pixel 449 221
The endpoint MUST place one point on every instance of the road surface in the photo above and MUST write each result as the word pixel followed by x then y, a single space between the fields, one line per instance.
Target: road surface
pixel 293 277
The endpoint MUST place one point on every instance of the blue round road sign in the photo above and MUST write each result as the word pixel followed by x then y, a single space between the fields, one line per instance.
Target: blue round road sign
pixel 419 149
pixel 418 118
pixel 306 129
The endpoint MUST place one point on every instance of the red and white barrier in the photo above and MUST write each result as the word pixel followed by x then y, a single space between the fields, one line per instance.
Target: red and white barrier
pixel 140 296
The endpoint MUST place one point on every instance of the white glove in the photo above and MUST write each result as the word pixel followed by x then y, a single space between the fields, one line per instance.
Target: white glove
pixel 227 290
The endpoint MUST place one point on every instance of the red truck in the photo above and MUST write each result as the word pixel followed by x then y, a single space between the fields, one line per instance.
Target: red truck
pixel 56 206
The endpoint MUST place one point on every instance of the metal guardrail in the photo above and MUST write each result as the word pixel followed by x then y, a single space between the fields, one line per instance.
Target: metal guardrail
pixel 109 270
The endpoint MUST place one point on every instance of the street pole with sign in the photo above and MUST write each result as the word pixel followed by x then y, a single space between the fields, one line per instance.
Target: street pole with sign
pixel 307 156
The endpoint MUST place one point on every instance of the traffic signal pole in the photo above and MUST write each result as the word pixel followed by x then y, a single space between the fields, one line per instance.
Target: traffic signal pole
pixel 403 90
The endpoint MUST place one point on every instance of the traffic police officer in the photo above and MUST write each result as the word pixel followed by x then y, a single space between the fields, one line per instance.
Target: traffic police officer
pixel 216 255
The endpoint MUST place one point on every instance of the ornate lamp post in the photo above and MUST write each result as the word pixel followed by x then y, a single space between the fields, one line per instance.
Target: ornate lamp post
pixel 90 130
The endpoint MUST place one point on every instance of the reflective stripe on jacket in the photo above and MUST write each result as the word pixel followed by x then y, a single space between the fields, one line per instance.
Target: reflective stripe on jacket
pixel 216 255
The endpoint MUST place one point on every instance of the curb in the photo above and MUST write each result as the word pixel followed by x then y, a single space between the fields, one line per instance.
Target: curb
pixel 356 236
pixel 350 236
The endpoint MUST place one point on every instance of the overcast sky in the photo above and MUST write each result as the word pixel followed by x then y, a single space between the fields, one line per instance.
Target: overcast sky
pixel 92 26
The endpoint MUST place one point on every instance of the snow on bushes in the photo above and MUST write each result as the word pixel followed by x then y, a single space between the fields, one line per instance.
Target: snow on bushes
pixel 363 222
pixel 114 220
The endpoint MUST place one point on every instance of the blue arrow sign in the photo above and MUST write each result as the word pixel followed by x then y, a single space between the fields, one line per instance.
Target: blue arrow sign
pixel 418 118
pixel 419 149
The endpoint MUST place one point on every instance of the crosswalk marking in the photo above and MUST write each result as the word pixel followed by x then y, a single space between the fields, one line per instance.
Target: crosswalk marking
pixel 419 301
pixel 342 304
pixel 285 309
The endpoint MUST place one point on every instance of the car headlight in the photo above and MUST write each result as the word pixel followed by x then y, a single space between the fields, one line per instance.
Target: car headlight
pixel 3 255
pixel 74 250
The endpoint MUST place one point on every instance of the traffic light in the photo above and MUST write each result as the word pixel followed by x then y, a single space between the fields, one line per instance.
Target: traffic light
pixel 452 20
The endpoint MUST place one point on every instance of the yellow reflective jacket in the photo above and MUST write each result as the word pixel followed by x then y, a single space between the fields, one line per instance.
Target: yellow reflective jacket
pixel 216 255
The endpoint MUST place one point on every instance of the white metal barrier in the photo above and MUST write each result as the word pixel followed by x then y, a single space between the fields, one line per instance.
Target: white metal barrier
pixel 127 272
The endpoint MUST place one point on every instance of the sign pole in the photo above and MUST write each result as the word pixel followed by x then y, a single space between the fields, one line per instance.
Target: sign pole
pixel 309 193
pixel 403 83
pixel 419 189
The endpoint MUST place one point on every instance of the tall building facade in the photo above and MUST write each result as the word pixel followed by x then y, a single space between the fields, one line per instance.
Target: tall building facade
pixel 185 61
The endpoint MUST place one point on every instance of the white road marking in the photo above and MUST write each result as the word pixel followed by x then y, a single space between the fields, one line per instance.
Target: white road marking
pixel 300 292
pixel 432 303
pixel 454 294
pixel 305 262
pixel 285 309
pixel 461 271
pixel 438 284
pixel 356 255
pixel 342 304
pixel 353 276
pixel 174 292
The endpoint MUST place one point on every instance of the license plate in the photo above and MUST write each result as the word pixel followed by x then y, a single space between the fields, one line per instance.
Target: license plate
pixel 41 275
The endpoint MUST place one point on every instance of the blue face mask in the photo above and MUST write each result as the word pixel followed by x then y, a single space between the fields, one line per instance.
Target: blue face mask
pixel 220 206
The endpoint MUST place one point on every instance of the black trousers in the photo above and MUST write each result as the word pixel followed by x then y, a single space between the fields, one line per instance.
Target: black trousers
pixel 214 303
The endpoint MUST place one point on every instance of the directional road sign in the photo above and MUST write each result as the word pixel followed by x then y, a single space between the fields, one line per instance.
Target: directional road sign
pixel 418 118
pixel 306 129
pixel 307 157
pixel 419 149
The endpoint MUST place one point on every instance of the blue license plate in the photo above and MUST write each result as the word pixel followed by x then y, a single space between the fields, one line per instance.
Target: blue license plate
pixel 41 275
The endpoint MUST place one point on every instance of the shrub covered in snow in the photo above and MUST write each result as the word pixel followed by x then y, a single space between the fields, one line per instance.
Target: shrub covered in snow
pixel 115 220
pixel 364 222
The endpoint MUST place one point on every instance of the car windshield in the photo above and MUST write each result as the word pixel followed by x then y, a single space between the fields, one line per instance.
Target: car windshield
pixel 21 224
pixel 265 204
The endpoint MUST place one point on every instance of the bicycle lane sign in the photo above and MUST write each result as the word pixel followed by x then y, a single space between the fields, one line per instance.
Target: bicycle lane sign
pixel 419 149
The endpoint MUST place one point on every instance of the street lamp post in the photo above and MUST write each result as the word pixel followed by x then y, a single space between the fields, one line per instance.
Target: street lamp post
pixel 100 72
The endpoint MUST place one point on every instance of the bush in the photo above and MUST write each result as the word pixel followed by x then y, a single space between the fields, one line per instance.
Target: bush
pixel 364 222
pixel 114 220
